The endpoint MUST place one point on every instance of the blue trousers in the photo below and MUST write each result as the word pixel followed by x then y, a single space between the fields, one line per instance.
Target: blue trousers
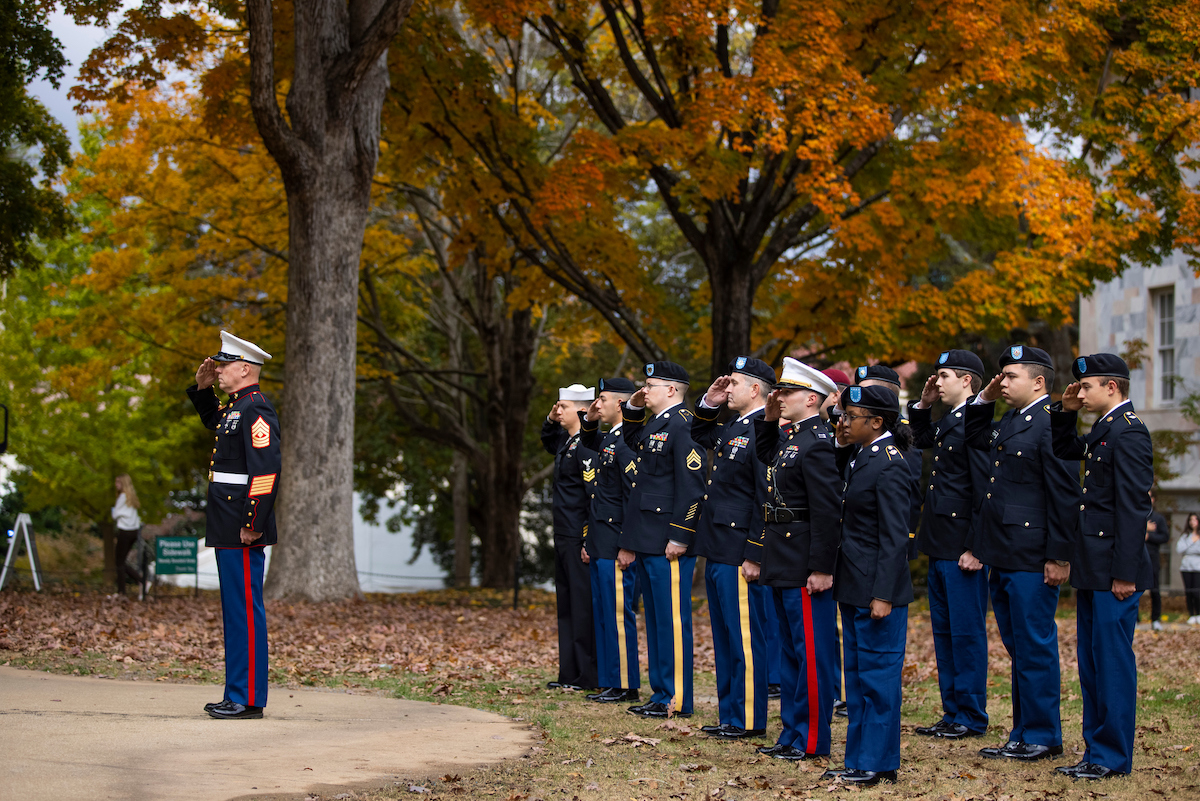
pixel 1108 676
pixel 614 592
pixel 770 631
pixel 1024 607
pixel 667 592
pixel 958 611
pixel 240 571
pixel 874 654
pixel 807 667
pixel 738 618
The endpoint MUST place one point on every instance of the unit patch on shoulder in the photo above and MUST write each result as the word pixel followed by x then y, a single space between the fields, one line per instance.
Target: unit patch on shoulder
pixel 260 433
pixel 694 462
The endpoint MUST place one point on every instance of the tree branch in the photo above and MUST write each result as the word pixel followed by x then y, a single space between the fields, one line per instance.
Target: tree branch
pixel 277 135
pixel 352 66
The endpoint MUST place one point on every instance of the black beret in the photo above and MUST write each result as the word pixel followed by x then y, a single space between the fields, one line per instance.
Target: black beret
pixel 877 371
pixel 621 385
pixel 961 360
pixel 1103 365
pixel 667 371
pixel 876 399
pixel 755 368
pixel 1025 354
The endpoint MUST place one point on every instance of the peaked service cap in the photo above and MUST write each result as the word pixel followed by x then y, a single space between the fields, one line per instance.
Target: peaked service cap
pixel 755 368
pixel 797 374
pixel 1101 365
pixel 667 371
pixel 236 349
pixel 877 399
pixel 577 392
pixel 961 360
pixel 1026 354
pixel 879 372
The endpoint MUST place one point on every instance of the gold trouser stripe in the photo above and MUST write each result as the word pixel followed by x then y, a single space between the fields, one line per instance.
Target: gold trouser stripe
pixel 623 653
pixel 842 661
pixel 747 648
pixel 677 634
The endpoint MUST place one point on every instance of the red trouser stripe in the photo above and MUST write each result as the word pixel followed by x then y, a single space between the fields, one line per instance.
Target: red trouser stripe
pixel 249 624
pixel 810 659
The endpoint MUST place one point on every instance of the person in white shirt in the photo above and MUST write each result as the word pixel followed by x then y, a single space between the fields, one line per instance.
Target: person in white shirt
pixel 129 528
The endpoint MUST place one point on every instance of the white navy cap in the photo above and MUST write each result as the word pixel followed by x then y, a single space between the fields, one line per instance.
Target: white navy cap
pixel 577 392
pixel 798 374
pixel 236 349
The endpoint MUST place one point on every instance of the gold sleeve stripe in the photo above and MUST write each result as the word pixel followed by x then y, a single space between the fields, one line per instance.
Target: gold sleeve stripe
pixel 262 485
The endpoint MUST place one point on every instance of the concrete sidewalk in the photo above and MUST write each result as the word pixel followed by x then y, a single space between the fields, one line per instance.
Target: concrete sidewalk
pixel 68 738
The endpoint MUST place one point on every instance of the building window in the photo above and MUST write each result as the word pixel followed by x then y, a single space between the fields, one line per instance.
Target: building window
pixel 1164 309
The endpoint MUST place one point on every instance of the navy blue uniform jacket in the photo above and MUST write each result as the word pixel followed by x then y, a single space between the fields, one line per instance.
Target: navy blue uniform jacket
pixel 247 443
pixel 955 491
pixel 1118 475
pixel 610 483
pixel 732 512
pixel 1031 500
pixel 873 560
pixel 803 477
pixel 664 498
pixel 571 493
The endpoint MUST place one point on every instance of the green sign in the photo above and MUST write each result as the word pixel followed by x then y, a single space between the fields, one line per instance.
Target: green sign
pixel 175 555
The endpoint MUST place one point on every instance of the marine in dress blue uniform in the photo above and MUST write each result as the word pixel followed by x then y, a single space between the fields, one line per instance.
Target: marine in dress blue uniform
pixel 660 529
pixel 240 513
pixel 872 584
pixel 796 554
pixel 729 517
pixel 957 592
pixel 614 589
pixel 1027 526
pixel 1110 567
pixel 572 579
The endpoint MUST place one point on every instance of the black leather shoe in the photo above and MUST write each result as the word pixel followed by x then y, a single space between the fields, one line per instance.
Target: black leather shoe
pixel 839 709
pixel 1094 772
pixel 790 753
pixel 229 710
pixel 613 695
pixel 728 731
pixel 957 731
pixel 934 730
pixel 998 751
pixel 1069 770
pixel 211 706
pixel 655 709
pixel 1028 752
pixel 865 778
pixel 553 685
pixel 773 691
pixel 771 750
pixel 574 687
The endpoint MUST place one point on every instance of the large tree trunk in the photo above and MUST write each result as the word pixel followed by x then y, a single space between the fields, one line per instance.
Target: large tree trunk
pixel 326 150
pixel 460 495
pixel 733 287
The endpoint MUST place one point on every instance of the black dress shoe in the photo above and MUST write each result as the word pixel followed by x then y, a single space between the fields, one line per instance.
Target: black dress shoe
pixel 997 752
pixel 596 695
pixel 934 730
pixel 1094 772
pixel 728 731
pixel 863 778
pixel 553 685
pixel 1029 752
pixel 790 753
pixel 652 709
pixel 839 709
pixel 1069 770
pixel 771 750
pixel 773 691
pixel 211 706
pixel 230 710
pixel 614 695
pixel 957 731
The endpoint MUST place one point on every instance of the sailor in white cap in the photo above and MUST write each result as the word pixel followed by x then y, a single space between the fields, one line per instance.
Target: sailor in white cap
pixel 243 480
pixel 572 579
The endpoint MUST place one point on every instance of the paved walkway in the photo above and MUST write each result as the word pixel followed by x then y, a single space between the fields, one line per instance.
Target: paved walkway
pixel 67 738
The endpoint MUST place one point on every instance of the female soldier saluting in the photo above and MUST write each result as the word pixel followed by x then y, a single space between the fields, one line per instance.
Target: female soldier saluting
pixel 871 583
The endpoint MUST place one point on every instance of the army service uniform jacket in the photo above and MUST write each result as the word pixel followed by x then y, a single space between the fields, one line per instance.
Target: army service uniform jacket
pixel 609 480
pixel 1110 542
pixel 664 498
pixel 873 560
pixel 244 468
pixel 802 476
pixel 955 490
pixel 732 513
pixel 572 495
pixel 1031 499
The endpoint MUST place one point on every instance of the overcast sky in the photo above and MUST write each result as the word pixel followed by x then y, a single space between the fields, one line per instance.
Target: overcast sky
pixel 77 42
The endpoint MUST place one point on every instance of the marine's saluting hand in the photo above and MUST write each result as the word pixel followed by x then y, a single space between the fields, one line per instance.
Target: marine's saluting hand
pixel 206 374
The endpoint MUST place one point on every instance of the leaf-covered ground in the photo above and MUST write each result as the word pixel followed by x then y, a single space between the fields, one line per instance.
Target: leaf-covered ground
pixel 474 649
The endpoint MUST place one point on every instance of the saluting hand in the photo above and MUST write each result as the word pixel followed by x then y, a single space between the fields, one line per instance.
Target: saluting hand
pixel 774 408
pixel 929 393
pixel 555 415
pixel 206 374
pixel 1071 402
pixel 718 393
pixel 593 411
pixel 992 391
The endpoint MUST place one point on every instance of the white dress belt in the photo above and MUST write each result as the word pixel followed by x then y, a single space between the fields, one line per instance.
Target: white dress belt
pixel 228 478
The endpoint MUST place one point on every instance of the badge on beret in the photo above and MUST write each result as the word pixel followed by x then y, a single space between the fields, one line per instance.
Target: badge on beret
pixel 862 373
pixel 741 362
pixel 649 369
pixel 1081 363
pixel 943 357
pixel 1017 351
pixel 856 392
